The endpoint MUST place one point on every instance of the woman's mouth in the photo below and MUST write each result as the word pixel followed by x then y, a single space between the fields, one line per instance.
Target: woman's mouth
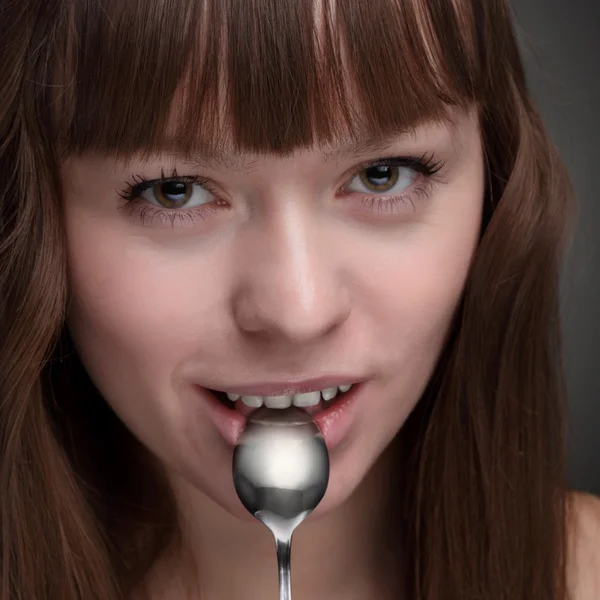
pixel 332 409
pixel 311 402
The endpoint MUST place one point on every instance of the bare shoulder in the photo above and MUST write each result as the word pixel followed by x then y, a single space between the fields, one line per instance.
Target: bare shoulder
pixel 583 555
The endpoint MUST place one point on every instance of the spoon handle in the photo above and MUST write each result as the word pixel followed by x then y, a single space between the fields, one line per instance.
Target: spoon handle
pixel 284 548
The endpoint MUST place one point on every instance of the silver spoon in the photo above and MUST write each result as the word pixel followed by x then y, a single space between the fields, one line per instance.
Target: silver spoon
pixel 280 473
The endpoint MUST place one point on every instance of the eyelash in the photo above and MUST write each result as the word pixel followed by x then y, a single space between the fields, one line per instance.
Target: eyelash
pixel 423 165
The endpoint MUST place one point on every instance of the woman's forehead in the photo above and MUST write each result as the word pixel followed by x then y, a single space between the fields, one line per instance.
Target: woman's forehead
pixel 257 81
pixel 348 145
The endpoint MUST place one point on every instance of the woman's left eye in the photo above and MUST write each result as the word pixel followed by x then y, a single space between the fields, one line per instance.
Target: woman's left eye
pixel 384 178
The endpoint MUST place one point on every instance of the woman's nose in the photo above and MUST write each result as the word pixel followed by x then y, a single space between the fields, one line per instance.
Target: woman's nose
pixel 290 286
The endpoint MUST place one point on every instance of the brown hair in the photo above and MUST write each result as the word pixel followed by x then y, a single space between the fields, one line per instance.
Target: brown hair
pixel 84 509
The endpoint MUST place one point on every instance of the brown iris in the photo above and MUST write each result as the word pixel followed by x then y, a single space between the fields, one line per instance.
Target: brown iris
pixel 173 194
pixel 380 178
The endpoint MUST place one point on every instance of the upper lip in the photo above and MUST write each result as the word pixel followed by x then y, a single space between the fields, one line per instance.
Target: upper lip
pixel 287 388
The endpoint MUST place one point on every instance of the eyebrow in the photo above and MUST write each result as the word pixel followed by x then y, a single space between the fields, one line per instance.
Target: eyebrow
pixel 224 158
pixel 367 144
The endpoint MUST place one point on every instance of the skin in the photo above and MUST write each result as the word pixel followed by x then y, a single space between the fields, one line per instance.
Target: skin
pixel 293 277
pixel 583 546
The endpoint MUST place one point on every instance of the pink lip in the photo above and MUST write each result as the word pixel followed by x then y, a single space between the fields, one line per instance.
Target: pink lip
pixel 334 421
pixel 285 388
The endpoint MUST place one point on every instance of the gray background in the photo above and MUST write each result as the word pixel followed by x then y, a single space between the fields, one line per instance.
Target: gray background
pixel 560 41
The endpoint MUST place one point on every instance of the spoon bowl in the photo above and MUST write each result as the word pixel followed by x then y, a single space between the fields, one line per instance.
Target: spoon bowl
pixel 280 474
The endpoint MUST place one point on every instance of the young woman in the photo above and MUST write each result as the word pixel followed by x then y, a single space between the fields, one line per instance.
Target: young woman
pixel 209 205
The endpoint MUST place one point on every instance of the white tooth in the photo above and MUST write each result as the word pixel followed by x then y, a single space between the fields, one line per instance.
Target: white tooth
pixel 308 399
pixel 329 393
pixel 345 388
pixel 253 401
pixel 278 401
pixel 233 397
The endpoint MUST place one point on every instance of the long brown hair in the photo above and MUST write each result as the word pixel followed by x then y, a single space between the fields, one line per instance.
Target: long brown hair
pixel 84 509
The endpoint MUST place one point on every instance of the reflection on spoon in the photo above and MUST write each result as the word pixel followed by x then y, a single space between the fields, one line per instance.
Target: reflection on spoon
pixel 280 473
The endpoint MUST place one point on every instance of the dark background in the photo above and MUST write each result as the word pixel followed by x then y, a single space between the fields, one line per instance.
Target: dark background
pixel 560 41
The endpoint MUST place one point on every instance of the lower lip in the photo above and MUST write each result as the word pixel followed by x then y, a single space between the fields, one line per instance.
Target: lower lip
pixel 334 421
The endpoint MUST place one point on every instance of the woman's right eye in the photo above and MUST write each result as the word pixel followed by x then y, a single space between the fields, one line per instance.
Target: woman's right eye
pixel 181 193
pixel 168 201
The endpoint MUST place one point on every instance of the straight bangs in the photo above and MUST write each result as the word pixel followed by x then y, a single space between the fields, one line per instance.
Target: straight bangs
pixel 258 76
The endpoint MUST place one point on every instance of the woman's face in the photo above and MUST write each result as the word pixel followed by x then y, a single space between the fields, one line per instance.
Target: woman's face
pixel 269 276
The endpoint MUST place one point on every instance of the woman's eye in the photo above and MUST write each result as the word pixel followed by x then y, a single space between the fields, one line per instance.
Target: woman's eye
pixel 177 194
pixel 385 179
